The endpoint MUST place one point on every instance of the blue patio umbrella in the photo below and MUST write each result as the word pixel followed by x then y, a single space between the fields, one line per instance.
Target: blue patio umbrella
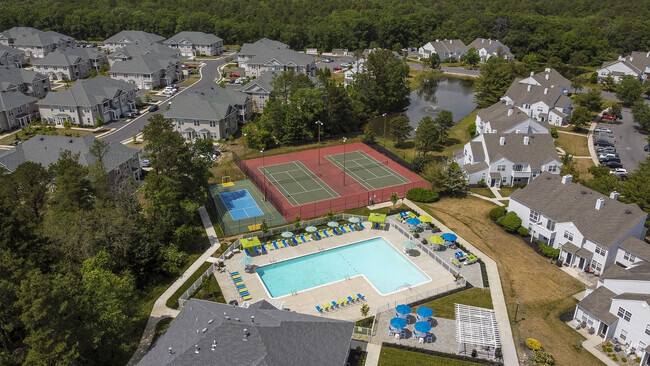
pixel 398 323
pixel 449 237
pixel 354 219
pixel 409 244
pixel 246 260
pixel 333 224
pixel 425 312
pixel 311 229
pixel 403 309
pixel 413 221
pixel 287 234
pixel 422 327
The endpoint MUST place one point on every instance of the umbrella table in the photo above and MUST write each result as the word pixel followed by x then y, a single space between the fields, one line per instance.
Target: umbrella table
pixel 436 240
pixel 425 312
pixel 398 323
pixel 413 221
pixel 287 234
pixel 409 245
pixel 333 224
pixel 425 218
pixel 246 260
pixel 354 219
pixel 378 218
pixel 311 229
pixel 422 327
pixel 250 242
pixel 403 309
pixel 449 237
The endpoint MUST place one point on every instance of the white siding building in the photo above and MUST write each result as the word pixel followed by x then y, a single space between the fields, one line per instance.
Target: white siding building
pixel 504 117
pixel 192 44
pixel 636 64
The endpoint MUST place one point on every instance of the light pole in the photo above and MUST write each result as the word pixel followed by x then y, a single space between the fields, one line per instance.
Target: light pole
pixel 264 173
pixel 516 310
pixel 319 123
pixel 384 129
pixel 344 140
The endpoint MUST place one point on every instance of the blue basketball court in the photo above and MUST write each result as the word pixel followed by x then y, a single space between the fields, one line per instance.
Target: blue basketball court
pixel 240 204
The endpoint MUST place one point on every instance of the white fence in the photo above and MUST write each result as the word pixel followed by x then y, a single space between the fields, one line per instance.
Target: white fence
pixel 183 299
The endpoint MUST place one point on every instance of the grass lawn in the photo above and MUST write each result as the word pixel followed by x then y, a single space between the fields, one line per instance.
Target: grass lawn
pixel 338 77
pixel 572 144
pixel 161 327
pixel 210 291
pixel 483 191
pixel 397 357
pixel 506 192
pixel 172 302
pixel 32 130
pixel 444 306
pixel 543 289
pixel 569 129
pixel 583 167
pixel 365 211
pixel 189 80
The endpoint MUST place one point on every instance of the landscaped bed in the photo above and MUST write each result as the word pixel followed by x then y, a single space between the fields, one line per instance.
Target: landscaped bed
pixel 390 356
pixel 444 306
pixel 572 144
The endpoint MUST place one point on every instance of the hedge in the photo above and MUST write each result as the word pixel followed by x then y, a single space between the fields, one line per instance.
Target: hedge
pixel 554 132
pixel 510 222
pixel 548 251
pixel 422 195
pixel 497 212
pixel 533 344
pixel 453 356
pixel 522 231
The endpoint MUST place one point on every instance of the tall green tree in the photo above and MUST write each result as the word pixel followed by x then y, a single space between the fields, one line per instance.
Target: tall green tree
pixel 427 136
pixel 455 183
pixel 580 117
pixel 444 122
pixel 641 115
pixel 636 188
pixel 471 58
pixel 592 100
pixel 433 61
pixel 629 90
pixel 400 128
pixel 496 77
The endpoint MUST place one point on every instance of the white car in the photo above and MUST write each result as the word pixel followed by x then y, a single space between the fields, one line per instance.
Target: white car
pixel 346 64
pixel 169 90
pixel 603 129
pixel 239 81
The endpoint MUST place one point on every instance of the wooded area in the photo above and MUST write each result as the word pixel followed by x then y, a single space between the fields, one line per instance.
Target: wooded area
pixel 580 32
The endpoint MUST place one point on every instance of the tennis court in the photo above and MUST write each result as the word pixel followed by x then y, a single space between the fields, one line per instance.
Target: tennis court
pixel 297 184
pixel 240 204
pixel 367 170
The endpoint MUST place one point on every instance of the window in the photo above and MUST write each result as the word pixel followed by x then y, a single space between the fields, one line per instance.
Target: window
pixel 623 334
pixel 181 121
pixel 568 235
pixel 88 120
pixel 552 168
pixel 126 75
pixel 597 267
pixel 71 109
pixel 534 216
pixel 213 135
pixel 600 250
pixel 622 313
pixel 518 167
pixel 629 257
pixel 647 329
pixel 52 108
pixel 501 168
pixel 642 345
pixel 213 123
pixel 550 224
pixel 61 108
pixel 196 122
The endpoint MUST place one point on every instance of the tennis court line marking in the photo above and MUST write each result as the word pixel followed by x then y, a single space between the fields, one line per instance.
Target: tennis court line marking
pixel 375 163
pixel 241 209
pixel 288 196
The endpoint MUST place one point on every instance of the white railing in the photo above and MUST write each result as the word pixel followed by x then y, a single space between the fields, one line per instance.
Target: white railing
pixel 195 286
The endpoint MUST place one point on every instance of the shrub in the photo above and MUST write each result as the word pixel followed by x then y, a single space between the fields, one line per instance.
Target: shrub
pixel 482 184
pixel 472 129
pixel 523 231
pixel 419 162
pixel 548 251
pixel 422 195
pixel 510 222
pixel 554 132
pixel 624 359
pixel 497 212
pixel 614 358
pixel 594 78
pixel 533 344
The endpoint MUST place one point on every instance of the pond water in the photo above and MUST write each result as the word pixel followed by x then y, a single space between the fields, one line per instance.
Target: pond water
pixel 454 95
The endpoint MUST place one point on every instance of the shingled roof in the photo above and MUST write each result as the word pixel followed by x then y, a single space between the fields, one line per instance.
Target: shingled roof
pixel 502 120
pixel 12 99
pixel 540 149
pixel 197 38
pixel 87 93
pixel 210 333
pixel 571 202
pixel 636 246
pixel 261 45
pixel 640 272
pixel 598 302
pixel 67 56
pixel 27 36
pixel 11 77
pixel 133 36
pixel 211 104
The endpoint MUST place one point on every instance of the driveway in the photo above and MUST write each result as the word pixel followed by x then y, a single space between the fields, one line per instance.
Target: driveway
pixel 629 140
pixel 125 131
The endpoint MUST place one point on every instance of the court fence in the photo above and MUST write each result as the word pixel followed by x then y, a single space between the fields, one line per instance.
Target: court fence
pixel 195 286
pixel 389 154
pixel 320 208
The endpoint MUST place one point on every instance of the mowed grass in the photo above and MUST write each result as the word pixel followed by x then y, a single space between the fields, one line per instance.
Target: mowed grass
pixel 172 302
pixel 506 192
pixel 397 357
pixel 444 307
pixel 543 289
pixel 483 191
pixel 583 167
pixel 572 144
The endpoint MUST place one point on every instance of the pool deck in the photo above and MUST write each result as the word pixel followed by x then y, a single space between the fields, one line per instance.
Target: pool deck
pixel 305 301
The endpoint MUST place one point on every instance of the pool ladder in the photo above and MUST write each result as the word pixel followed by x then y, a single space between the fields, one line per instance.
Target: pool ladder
pixel 294 293
pixel 405 285
pixel 347 278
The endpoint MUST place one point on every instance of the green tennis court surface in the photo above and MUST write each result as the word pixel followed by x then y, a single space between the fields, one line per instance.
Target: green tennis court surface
pixel 366 170
pixel 297 184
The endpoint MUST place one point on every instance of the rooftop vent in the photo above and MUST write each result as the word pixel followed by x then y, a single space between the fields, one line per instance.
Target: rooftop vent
pixel 196 348
pixel 532 73
pixel 252 319
pixel 628 212
pixel 567 178
pixel 210 321
pixel 204 330
pixel 170 351
pixel 529 87
pixel 526 140
pixel 502 140
pixel 42 138
pixel 600 203
pixel 613 195
pixel 510 111
pixel 545 90
pixel 546 76
pixel 214 345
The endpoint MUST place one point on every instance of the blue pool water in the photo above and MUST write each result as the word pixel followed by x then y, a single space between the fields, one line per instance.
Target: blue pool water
pixel 382 265
pixel 240 204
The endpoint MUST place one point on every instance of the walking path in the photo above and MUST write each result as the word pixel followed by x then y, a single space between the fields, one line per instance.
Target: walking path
pixel 372 354
pixel 498 301
pixel 160 310
pixel 590 144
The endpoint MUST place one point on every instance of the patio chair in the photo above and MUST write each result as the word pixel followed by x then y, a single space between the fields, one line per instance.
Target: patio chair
pixel 239 285
pixel 336 231
pixel 350 299
pixel 343 229
pixel 275 245
pixel 285 243
pixel 361 297
pixel 247 297
pixel 351 227
pixel 317 235
pixel 268 247
pixel 361 226
pixel 304 240
pixel 293 239
pixel 257 251
pixel 234 273
pixel 429 337
pixel 335 304
pixel 325 233
pixel 243 289
pixel 320 310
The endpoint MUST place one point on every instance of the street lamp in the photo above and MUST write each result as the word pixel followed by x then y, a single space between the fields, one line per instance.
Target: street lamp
pixel 263 173
pixel 344 140
pixel 516 310
pixel 384 129
pixel 319 123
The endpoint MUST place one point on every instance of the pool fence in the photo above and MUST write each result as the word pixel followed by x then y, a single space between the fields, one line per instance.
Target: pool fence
pixel 195 286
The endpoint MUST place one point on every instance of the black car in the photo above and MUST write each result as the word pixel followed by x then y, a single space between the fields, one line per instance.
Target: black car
pixel 606 150
pixel 612 164
pixel 610 159
pixel 153 107
pixel 603 142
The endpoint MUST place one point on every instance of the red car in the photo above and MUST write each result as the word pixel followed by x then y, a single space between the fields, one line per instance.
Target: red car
pixel 337 68
pixel 234 75
pixel 191 66
pixel 611 118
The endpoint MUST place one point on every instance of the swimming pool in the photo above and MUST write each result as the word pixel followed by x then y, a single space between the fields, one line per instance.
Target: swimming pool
pixel 380 263
pixel 240 204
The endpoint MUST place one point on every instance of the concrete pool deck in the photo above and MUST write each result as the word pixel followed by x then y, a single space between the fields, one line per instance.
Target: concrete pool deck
pixel 305 301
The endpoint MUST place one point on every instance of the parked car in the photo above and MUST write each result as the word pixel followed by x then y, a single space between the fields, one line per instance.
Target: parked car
pixel 153 108
pixel 239 81
pixel 603 142
pixel 618 171
pixel 346 64
pixel 327 60
pixel 603 129
pixel 604 159
pixel 338 68
pixel 608 155
pixel 145 163
pixel 609 118
pixel 169 90
pixel 129 114
pixel 606 150
pixel 191 66
pixel 231 81
pixel 233 75
pixel 646 148
pixel 612 164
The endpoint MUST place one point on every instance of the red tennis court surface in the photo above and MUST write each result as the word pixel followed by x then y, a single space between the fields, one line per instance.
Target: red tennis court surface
pixel 356 192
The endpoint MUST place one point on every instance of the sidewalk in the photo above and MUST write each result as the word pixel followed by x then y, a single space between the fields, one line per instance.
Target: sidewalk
pixel 160 310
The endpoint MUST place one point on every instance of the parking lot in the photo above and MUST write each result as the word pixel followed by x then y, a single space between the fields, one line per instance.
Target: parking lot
pixel 628 141
pixel 336 62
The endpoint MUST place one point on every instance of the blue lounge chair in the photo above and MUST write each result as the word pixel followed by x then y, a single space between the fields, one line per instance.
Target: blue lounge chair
pixel 256 251
pixel 360 297
pixel 264 250
pixel 335 304
pixel 343 229
pixel 350 299
pixel 304 240
pixel 320 310
pixel 351 227
pixel 317 235
pixel 244 293
pixel 234 273
pixel 325 233
pixel 240 286
pixel 247 252
pixel 361 226
pixel 336 231
pixel 276 245
pixel 247 297
pixel 284 241
pixel 293 239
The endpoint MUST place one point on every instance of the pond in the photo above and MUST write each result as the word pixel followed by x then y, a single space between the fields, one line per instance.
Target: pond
pixel 452 94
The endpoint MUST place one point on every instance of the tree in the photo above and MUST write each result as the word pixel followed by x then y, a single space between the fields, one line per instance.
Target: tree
pixel 368 133
pixel 296 222
pixel 636 188
pixel 641 115
pixel 330 215
pixel 400 128
pixel 427 136
pixel 365 309
pixel 541 358
pixel 603 181
pixel 616 109
pixel 609 83
pixel 264 226
pixel 569 166
pixel 495 79
pixel 580 117
pixel 472 58
pixel 444 121
pixel 629 90
pixel 578 82
pixel 393 198
pixel 434 173
pixel 455 183
pixel 433 61
pixel 592 100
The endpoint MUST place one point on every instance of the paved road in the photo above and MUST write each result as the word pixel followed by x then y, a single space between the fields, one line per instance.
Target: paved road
pixel 629 141
pixel 209 73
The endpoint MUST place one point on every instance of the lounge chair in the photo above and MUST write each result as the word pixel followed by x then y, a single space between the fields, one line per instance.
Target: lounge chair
pixel 293 239
pixel 351 227
pixel 336 231
pixel 361 226
pixel 361 297
pixel 320 310
pixel 325 233
pixel 240 285
pixel 247 297
pixel 243 289
pixel 327 307
pixel 235 277
pixel 317 235
pixel 284 242
pixel 268 247
pixel 264 250
pixel 335 304
pixel 344 302
pixel 304 240
pixel 350 299
pixel 343 229
pixel 234 273
pixel 275 245
pixel 256 251
pixel 247 252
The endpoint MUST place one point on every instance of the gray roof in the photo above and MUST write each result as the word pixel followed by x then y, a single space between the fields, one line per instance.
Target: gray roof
pixel 27 36
pixel 640 272
pixel 9 50
pixel 283 56
pixel 147 63
pixel 133 50
pixel 477 149
pixel 12 99
pixel 519 92
pixel 263 81
pixel 473 168
pixel 637 61
pixel 570 247
pixel 637 247
pixel 634 297
pixel 262 45
pixel 66 56
pixel 197 38
pixel 497 116
pixel 598 302
pixel 540 149
pixel 12 77
pixel 212 104
pixel 133 36
pixel 575 203
pixel 87 93
pixel 277 337
pixel 490 45
pixel 449 45
pixel 45 150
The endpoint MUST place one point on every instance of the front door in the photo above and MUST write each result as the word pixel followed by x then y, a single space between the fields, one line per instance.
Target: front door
pixel 582 263
pixel 603 331
pixel 569 256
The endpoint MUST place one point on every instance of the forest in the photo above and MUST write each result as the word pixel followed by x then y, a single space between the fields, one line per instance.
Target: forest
pixel 581 32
